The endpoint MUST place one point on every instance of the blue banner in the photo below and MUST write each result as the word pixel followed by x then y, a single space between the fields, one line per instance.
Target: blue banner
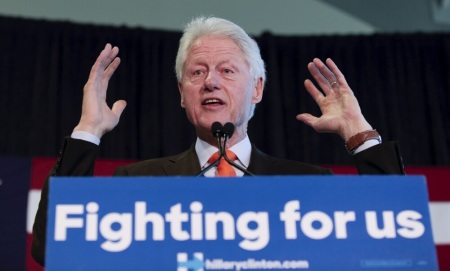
pixel 250 223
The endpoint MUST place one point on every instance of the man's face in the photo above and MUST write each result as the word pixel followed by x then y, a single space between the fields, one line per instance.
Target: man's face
pixel 216 85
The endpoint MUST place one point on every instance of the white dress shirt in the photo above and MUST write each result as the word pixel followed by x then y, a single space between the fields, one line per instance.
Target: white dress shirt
pixel 242 149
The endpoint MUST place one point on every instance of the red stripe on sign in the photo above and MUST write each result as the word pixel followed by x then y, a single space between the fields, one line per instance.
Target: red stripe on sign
pixel 107 167
pixel 443 255
pixel 40 168
pixel 343 170
pixel 438 181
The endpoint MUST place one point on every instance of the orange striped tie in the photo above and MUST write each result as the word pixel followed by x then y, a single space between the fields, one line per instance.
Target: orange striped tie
pixel 224 168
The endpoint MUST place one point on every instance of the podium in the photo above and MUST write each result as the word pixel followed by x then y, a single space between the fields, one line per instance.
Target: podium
pixel 248 223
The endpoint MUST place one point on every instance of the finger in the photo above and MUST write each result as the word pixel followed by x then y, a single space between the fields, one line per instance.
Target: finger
pixel 97 67
pixel 111 68
pixel 340 78
pixel 112 53
pixel 319 78
pixel 105 57
pixel 331 79
pixel 316 94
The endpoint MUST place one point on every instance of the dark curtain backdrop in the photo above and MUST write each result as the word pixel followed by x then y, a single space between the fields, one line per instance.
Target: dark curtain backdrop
pixel 402 82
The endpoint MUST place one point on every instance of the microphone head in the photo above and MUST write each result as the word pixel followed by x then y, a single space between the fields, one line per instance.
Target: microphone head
pixel 228 129
pixel 216 129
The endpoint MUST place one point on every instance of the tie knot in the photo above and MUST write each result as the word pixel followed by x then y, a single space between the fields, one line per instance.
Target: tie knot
pixel 224 168
pixel 231 155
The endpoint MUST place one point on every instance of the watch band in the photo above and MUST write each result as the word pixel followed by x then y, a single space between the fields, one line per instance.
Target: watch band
pixel 357 140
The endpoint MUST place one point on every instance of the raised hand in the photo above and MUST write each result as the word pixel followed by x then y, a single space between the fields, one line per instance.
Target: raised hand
pixel 97 117
pixel 341 113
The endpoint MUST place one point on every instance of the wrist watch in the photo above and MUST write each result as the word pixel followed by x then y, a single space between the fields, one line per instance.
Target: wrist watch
pixel 357 140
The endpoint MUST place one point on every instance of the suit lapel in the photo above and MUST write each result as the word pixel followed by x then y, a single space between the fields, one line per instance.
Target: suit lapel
pixel 184 164
pixel 261 163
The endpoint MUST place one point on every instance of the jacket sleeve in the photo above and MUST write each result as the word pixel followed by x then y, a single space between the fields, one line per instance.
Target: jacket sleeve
pixel 384 158
pixel 76 158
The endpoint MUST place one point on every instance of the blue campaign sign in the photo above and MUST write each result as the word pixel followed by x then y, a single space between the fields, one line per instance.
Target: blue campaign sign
pixel 249 223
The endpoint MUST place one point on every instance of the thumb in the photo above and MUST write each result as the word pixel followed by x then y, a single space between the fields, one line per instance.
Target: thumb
pixel 118 107
pixel 306 118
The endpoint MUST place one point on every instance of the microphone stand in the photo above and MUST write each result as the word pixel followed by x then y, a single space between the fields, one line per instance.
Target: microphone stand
pixel 241 168
pixel 222 134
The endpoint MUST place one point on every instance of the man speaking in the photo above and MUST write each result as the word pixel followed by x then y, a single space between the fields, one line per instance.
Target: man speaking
pixel 221 78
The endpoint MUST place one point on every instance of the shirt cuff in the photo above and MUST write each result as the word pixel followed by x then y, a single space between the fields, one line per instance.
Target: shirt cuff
pixel 369 143
pixel 86 137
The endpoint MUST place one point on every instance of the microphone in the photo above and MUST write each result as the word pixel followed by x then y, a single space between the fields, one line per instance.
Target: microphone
pixel 228 129
pixel 217 131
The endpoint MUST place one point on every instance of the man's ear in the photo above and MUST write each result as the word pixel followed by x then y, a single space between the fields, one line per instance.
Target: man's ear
pixel 180 89
pixel 258 90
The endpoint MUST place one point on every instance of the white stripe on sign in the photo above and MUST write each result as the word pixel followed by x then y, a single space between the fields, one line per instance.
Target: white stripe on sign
pixel 439 213
pixel 34 195
pixel 440 222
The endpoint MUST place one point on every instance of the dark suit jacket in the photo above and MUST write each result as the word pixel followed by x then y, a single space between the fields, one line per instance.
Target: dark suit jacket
pixel 77 158
pixel 186 164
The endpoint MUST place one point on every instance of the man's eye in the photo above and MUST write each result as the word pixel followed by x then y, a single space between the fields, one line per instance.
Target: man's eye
pixel 198 72
pixel 227 71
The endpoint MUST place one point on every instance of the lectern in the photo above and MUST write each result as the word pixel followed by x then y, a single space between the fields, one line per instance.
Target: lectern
pixel 248 223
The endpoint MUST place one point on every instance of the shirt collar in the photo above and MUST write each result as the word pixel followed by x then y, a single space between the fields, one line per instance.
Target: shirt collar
pixel 242 149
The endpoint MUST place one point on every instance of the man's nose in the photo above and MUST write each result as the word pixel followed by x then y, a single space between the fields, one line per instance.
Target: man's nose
pixel 212 81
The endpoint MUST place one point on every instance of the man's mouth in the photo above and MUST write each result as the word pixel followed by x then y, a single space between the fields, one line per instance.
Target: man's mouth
pixel 212 101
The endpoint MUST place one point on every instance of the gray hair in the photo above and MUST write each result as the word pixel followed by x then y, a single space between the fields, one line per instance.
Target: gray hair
pixel 203 26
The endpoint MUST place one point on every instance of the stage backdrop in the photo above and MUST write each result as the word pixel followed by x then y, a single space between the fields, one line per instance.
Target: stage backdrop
pixel 402 83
